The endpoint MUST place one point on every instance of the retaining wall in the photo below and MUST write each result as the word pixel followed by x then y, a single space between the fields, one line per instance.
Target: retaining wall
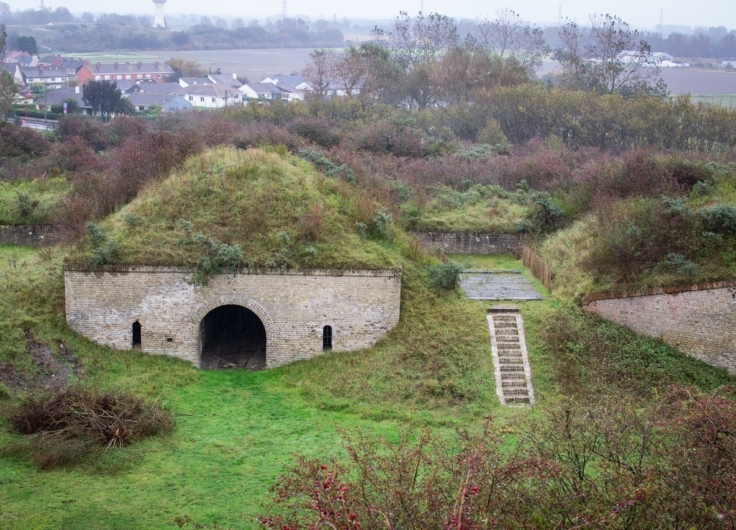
pixel 473 242
pixel 29 235
pixel 294 307
pixel 700 319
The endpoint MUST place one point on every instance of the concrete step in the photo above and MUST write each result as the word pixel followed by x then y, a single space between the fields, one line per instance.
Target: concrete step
pixel 512 368
pixel 511 360
pixel 511 383
pixel 516 391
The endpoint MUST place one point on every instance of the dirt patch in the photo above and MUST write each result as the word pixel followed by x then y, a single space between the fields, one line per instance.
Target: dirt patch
pixel 54 372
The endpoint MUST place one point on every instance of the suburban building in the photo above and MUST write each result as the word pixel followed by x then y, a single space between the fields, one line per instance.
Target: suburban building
pixel 226 79
pixel 187 81
pixel 57 61
pixel 211 96
pixel 167 102
pixel 14 70
pixel 169 87
pixel 296 84
pixel 58 96
pixel 51 77
pixel 267 91
pixel 21 58
pixel 158 72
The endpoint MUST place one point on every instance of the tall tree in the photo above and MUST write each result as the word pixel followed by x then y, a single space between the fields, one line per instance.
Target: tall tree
pixel 416 45
pixel 8 89
pixel 509 36
pixel 25 44
pixel 103 96
pixel 185 67
pixel 608 58
pixel 319 72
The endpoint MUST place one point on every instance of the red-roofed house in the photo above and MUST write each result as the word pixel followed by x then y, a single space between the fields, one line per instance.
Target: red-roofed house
pixel 158 72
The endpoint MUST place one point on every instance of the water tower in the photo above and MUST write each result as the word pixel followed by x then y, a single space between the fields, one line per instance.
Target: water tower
pixel 158 18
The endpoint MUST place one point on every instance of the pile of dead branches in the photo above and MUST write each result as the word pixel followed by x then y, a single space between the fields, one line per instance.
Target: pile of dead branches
pixel 69 426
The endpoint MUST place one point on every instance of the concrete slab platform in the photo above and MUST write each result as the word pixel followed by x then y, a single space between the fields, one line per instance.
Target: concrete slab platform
pixel 489 285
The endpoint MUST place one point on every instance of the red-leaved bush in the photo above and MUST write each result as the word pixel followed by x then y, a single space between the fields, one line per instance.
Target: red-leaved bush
pixel 670 465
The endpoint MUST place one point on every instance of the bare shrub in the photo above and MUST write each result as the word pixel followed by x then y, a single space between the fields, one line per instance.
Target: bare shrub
pixel 95 133
pixel 316 130
pixel 69 426
pixel 260 134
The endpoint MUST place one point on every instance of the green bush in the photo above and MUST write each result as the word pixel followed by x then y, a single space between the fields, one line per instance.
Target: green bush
pixel 445 275
pixel 103 250
pixel 720 218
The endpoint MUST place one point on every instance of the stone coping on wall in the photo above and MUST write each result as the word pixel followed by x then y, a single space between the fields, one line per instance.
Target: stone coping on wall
pixel 673 290
pixel 122 269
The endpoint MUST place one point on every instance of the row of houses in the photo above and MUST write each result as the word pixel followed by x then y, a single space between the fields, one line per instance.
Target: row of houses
pixel 214 91
pixel 64 71
pixel 144 84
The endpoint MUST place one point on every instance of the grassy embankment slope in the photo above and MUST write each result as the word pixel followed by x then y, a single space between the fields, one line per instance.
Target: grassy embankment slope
pixel 236 430
pixel 31 201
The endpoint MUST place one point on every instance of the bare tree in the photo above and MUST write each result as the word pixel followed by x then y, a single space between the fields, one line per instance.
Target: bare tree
pixel 610 57
pixel 350 71
pixel 319 71
pixel 418 41
pixel 509 36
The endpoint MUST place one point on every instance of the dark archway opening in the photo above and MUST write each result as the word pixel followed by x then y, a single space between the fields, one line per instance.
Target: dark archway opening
pixel 136 335
pixel 233 337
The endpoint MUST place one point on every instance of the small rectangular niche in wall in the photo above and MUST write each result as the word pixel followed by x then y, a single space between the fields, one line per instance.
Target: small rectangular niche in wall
pixel 327 338
pixel 136 335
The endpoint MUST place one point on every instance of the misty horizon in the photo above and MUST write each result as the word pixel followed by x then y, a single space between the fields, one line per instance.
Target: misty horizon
pixel 649 16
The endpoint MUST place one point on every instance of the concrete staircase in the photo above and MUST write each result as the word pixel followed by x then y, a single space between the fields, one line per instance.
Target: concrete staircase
pixel 510 359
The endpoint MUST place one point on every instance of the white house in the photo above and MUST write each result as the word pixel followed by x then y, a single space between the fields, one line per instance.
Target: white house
pixel 266 91
pixel 224 79
pixel 297 85
pixel 213 96
pixel 14 70
pixel 51 77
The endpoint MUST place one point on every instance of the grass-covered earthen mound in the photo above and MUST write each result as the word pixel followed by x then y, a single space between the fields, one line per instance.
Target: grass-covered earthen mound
pixel 230 208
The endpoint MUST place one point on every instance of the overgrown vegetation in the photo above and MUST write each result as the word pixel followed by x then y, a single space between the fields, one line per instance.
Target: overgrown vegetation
pixel 69 426
pixel 610 465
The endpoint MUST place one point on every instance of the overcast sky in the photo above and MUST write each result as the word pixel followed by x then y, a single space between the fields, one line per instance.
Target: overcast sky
pixel 643 13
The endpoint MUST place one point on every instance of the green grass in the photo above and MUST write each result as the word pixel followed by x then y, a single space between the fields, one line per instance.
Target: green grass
pixel 487 209
pixel 44 196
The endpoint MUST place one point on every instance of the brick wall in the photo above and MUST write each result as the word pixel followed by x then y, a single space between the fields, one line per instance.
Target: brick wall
pixel 700 320
pixel 28 235
pixel 361 307
pixel 473 242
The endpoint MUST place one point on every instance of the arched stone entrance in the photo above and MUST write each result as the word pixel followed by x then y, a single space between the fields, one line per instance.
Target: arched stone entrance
pixel 232 336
